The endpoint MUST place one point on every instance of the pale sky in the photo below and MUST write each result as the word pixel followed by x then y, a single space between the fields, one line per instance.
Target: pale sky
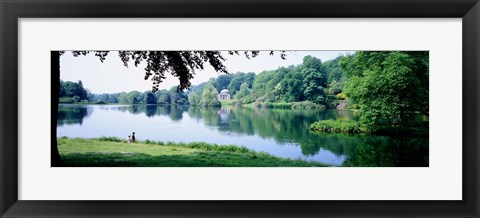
pixel 111 76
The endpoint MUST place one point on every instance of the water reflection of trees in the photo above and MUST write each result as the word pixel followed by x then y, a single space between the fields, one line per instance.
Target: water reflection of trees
pixel 293 126
pixel 370 151
pixel 151 110
pixel 72 115
pixel 175 112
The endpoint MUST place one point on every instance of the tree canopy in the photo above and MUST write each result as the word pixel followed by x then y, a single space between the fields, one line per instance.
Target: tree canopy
pixel 72 92
pixel 180 64
pixel 387 85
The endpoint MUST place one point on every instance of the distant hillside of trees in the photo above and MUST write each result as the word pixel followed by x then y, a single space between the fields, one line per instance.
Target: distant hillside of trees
pixel 74 92
pixel 312 81
pixel 163 96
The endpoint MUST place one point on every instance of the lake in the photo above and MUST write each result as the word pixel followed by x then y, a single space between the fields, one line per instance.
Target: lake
pixel 283 133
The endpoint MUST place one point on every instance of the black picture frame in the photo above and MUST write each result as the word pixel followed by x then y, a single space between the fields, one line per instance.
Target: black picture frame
pixel 12 10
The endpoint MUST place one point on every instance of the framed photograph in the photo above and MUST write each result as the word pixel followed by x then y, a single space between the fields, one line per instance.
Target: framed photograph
pixel 223 108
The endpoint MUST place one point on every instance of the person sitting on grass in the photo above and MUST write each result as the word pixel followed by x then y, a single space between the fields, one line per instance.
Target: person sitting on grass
pixel 129 139
pixel 133 136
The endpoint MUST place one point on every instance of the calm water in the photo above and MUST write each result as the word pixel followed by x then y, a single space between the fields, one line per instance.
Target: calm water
pixel 283 133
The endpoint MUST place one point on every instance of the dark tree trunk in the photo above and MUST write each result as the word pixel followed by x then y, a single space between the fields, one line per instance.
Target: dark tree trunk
pixel 55 65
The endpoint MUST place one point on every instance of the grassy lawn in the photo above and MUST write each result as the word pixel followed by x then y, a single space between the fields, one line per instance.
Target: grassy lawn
pixel 113 152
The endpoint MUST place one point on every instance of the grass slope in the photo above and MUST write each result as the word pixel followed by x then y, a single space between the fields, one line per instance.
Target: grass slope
pixel 113 152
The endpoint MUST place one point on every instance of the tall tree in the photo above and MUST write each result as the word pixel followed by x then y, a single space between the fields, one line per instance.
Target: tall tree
pixel 150 98
pixel 209 96
pixel 237 80
pixel 180 64
pixel 318 69
pixel 72 89
pixel 313 83
pixel 222 82
pixel 193 98
pixel 244 91
pixel 55 67
pixel 164 97
pixel 387 85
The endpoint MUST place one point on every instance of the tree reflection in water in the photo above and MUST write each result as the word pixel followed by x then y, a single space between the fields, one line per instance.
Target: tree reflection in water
pixel 69 115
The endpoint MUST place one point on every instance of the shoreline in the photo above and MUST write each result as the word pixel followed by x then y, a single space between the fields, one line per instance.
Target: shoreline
pixel 115 152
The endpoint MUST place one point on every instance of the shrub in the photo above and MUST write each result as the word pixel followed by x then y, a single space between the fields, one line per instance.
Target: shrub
pixel 307 105
pixel 212 104
pixel 338 126
pixel 332 103
pixel 110 139
pixel 236 103
pixel 65 100
pixel 341 96
pixel 248 99
pixel 354 106
pixel 227 102
pixel 76 98
pixel 282 105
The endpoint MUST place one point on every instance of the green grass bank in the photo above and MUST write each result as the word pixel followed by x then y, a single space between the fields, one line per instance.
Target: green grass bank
pixel 114 152
pixel 353 127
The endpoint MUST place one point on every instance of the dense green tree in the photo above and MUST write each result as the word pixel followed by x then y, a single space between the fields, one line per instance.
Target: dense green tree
pixel 387 85
pixel 193 98
pixel 333 69
pixel 313 85
pixel 249 78
pixel 177 96
pixel 150 98
pixel 122 98
pixel 335 87
pixel 163 97
pixel 313 63
pixel 237 80
pixel 293 90
pixel 113 98
pixel 76 98
pixel 134 97
pixel 222 82
pixel 104 98
pixel 174 95
pixel 209 96
pixel 316 68
pixel 92 97
pixel 197 88
pixel 244 91
pixel 260 83
pixel 72 89
pixel 62 89
pixel 291 84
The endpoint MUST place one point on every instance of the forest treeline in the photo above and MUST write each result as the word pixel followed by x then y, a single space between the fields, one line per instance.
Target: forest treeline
pixel 310 81
pixel 387 87
pixel 74 92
